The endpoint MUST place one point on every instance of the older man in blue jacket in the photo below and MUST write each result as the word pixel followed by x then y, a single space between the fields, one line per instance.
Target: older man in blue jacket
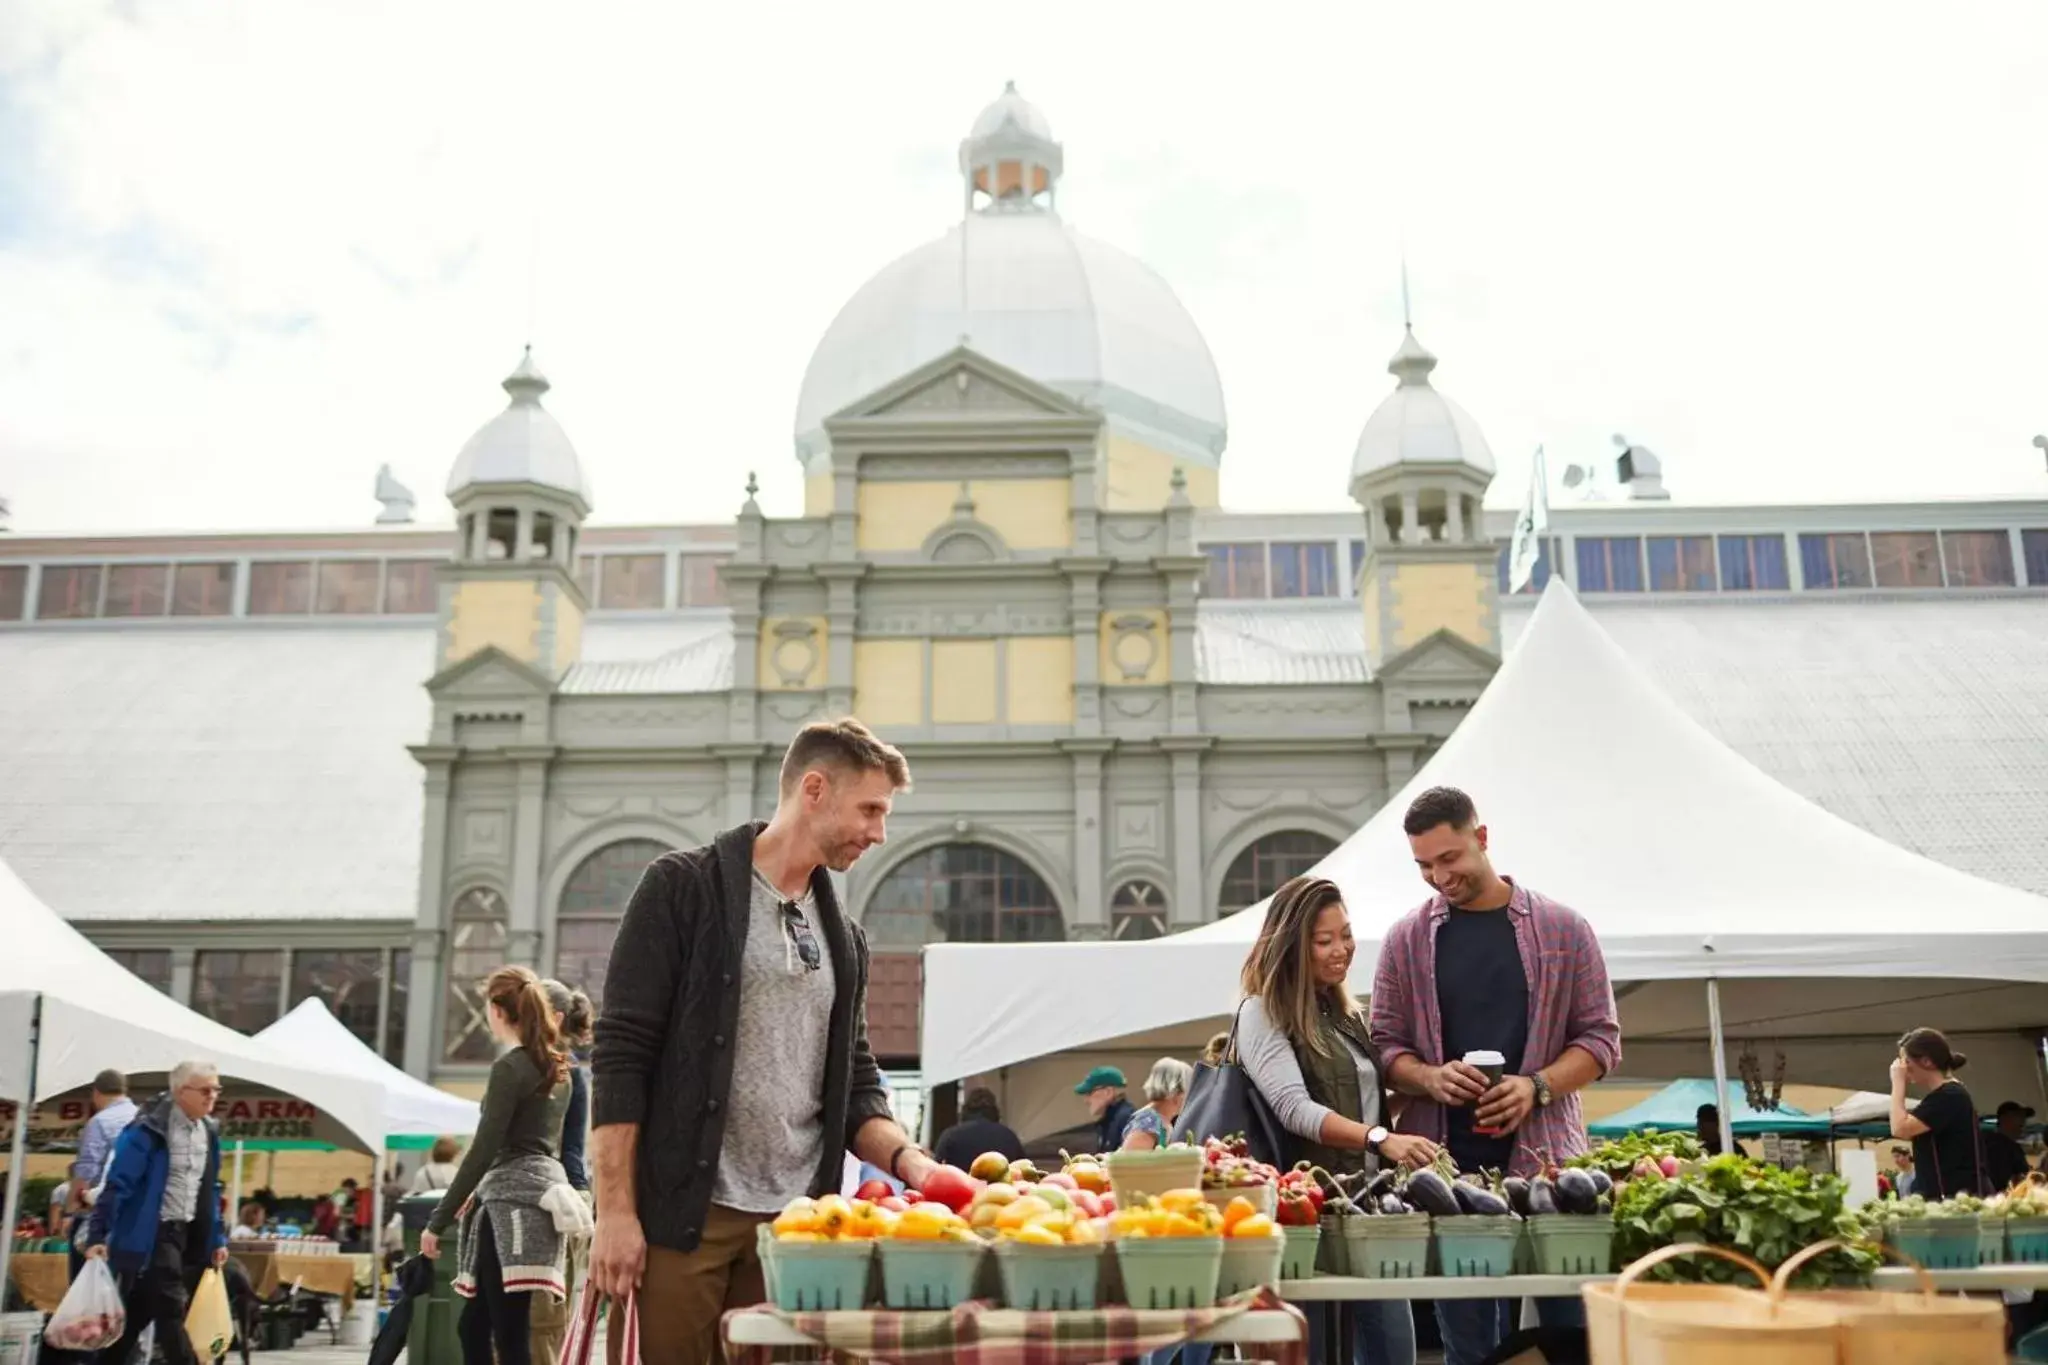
pixel 158 1218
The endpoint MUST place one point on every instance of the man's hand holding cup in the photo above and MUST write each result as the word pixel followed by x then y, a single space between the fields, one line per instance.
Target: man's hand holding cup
pixel 1459 1083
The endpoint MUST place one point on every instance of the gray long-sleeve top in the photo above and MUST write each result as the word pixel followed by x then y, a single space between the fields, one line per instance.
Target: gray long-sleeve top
pixel 1268 1058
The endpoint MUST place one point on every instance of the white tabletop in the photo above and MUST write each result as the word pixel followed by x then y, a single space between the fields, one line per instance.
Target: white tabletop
pixel 1249 1328
pixel 1352 1289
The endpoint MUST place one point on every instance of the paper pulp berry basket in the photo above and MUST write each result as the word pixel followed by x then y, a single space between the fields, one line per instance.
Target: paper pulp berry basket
pixel 1991 1241
pixel 809 1277
pixel 1477 1243
pixel 1375 1246
pixel 1170 1272
pixel 1571 1243
pixel 1036 1279
pixel 1134 1175
pixel 928 1274
pixel 1263 1197
pixel 2026 1240
pixel 1248 1263
pixel 1298 1260
pixel 1938 1243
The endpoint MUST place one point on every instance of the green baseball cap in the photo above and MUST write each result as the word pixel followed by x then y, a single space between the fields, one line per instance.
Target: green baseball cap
pixel 1098 1078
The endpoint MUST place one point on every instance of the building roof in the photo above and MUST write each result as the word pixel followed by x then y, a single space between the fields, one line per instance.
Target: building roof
pixel 688 653
pixel 1922 719
pixel 1261 643
pixel 1416 425
pixel 1012 108
pixel 522 444
pixel 237 772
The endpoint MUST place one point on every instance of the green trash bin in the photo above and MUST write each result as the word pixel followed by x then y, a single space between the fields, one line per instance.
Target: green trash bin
pixel 432 1339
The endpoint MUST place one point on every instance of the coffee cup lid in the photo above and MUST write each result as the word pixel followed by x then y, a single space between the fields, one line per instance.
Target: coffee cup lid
pixel 1485 1059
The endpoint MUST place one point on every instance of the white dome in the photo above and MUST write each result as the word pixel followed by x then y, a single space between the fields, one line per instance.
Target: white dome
pixel 522 444
pixel 1073 313
pixel 1011 107
pixel 1416 425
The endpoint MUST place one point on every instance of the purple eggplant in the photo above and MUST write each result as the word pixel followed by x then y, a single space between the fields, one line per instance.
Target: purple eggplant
pixel 1465 1192
pixel 1488 1203
pixel 1542 1196
pixel 1516 1191
pixel 1429 1192
pixel 1602 1182
pixel 1576 1192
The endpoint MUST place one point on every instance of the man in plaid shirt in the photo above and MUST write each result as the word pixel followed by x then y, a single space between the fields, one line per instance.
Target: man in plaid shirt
pixel 1521 976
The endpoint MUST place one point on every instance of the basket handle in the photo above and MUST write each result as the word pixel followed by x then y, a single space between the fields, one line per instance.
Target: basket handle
pixel 1672 1252
pixel 1783 1279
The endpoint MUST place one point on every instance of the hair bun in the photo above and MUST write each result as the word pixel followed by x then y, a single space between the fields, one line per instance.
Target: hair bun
pixel 1957 1059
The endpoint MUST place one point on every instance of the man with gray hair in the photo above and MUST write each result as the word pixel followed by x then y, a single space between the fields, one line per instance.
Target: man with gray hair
pixel 158 1217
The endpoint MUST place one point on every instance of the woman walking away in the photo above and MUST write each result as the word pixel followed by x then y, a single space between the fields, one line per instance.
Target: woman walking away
pixel 438 1172
pixel 512 1241
pixel 574 1016
pixel 1166 1090
pixel 1302 1040
pixel 1943 1129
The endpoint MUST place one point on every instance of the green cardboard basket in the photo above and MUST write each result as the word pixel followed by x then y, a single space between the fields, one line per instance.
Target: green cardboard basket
pixel 1941 1243
pixel 1469 1244
pixel 1571 1243
pixel 2026 1240
pixel 1170 1272
pixel 1038 1279
pixel 1991 1241
pixel 1249 1262
pixel 1384 1246
pixel 1298 1260
pixel 811 1277
pixel 919 1274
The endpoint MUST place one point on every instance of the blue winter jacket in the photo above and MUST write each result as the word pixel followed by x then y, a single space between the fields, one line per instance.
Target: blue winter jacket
pixel 131 1205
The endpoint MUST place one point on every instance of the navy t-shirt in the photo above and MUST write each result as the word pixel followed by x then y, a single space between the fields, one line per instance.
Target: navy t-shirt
pixel 1482 995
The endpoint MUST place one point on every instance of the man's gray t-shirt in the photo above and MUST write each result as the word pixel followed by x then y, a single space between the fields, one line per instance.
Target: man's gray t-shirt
pixel 774 1125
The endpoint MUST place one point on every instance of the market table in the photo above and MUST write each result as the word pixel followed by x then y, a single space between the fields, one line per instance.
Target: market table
pixel 41 1276
pixel 333 1275
pixel 978 1334
pixel 1354 1289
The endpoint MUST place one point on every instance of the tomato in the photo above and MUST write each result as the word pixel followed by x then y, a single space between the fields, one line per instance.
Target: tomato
pixel 872 1190
pixel 951 1186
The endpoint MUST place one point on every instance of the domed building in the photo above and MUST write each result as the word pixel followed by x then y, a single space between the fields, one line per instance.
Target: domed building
pixel 1128 710
pixel 1015 283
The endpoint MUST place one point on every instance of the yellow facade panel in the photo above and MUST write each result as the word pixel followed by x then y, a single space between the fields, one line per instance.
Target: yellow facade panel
pixel 793 652
pixel 500 612
pixel 1433 597
pixel 888 681
pixel 963 682
pixel 1040 677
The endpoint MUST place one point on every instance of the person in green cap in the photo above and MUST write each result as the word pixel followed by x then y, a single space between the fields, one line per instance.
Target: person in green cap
pixel 1103 1088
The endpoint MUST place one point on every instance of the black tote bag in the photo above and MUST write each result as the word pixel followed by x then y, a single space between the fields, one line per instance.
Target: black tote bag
pixel 1222 1100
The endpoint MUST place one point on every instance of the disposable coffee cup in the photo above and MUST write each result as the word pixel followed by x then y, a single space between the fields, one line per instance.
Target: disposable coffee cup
pixel 1493 1064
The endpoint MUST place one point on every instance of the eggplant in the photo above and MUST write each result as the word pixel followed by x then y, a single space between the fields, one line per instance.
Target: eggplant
pixel 1516 1190
pixel 1429 1192
pixel 1542 1197
pixel 1391 1203
pixel 1602 1182
pixel 1383 1183
pixel 1487 1202
pixel 1464 1191
pixel 1576 1192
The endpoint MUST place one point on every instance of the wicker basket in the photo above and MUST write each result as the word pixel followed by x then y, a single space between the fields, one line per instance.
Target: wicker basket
pixel 1630 1323
pixel 1882 1328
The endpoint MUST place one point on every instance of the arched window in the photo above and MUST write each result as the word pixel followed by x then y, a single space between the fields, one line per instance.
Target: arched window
pixel 1261 869
pixel 962 893
pixel 1137 910
pixel 476 948
pixel 593 901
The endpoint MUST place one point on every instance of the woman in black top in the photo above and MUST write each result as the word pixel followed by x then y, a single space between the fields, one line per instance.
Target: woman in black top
pixel 1943 1128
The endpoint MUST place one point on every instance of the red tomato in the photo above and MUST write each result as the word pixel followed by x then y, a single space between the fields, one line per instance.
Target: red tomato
pixel 871 1190
pixel 951 1186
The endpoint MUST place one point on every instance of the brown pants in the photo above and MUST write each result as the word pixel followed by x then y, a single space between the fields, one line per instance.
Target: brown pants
pixel 550 1320
pixel 685 1293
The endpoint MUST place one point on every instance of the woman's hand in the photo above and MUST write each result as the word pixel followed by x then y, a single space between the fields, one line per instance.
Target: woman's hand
pixel 1406 1149
pixel 430 1245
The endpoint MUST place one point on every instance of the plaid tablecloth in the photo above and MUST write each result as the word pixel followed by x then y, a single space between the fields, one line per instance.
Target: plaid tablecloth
pixel 965 1335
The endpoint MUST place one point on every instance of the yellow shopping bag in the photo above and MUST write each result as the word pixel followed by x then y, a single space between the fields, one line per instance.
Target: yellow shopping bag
pixel 209 1322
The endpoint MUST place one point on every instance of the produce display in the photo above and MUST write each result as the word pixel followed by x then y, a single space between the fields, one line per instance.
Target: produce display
pixel 1639 1154
pixel 2027 1198
pixel 1758 1209
pixel 1227 1164
pixel 1176 1213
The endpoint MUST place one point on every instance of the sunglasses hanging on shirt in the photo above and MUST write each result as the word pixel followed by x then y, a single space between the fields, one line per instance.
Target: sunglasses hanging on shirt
pixel 802 945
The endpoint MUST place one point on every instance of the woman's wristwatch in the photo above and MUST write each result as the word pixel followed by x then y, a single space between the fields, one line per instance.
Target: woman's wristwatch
pixel 1374 1137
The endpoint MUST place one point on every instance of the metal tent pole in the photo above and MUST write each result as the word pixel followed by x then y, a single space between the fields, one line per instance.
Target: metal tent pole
pixel 1720 1064
pixel 24 1110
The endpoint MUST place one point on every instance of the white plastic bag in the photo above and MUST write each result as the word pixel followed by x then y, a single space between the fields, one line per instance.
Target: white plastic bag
pixel 91 1317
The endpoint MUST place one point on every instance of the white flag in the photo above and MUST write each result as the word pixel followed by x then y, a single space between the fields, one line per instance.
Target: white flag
pixel 1529 527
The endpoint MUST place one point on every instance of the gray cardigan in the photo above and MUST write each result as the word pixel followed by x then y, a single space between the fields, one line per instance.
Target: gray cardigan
pixel 1268 1058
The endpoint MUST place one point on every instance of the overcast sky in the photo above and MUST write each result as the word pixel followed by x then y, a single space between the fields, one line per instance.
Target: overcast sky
pixel 250 251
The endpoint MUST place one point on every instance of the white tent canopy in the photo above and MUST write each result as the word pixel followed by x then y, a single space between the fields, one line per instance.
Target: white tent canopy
pixel 412 1108
pixel 1596 788
pixel 96 1014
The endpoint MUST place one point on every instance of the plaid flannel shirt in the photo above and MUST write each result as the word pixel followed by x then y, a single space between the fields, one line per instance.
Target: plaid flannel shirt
pixel 1570 1005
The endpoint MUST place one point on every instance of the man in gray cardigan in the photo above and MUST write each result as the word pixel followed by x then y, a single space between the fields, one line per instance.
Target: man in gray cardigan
pixel 732 1068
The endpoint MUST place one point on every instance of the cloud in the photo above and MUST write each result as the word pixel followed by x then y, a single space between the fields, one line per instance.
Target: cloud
pixel 252 251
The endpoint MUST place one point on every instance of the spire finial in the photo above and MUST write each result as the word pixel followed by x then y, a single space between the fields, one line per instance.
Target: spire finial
pixel 526 383
pixel 1177 485
pixel 753 484
pixel 1407 313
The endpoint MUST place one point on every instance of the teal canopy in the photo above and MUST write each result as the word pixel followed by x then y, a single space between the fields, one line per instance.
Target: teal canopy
pixel 1676 1108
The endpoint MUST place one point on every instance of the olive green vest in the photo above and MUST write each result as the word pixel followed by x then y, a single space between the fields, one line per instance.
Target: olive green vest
pixel 1332 1080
